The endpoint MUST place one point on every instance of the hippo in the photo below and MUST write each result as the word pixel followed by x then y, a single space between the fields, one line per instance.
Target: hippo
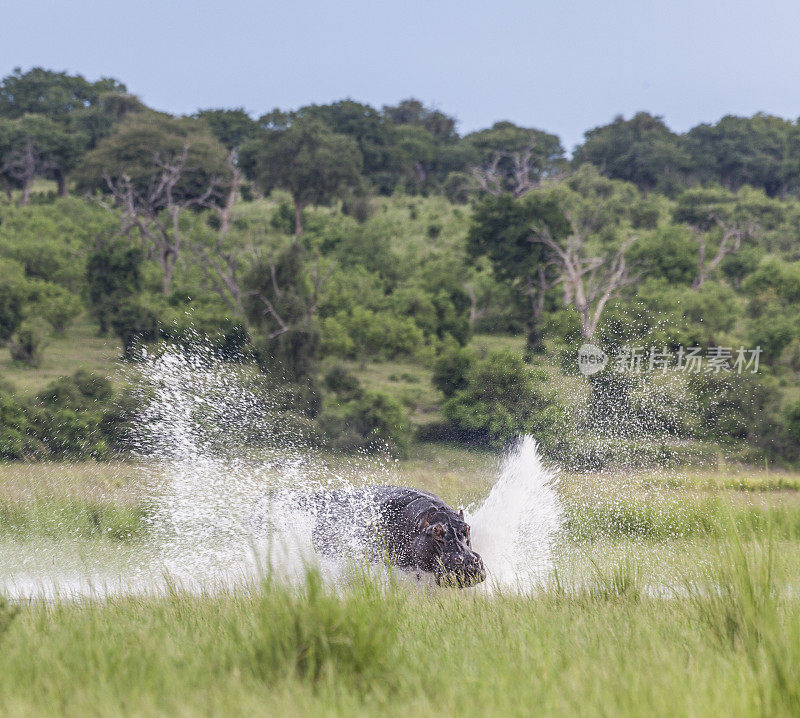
pixel 413 529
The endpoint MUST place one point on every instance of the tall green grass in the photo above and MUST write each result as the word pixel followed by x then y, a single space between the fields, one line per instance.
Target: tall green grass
pixel 318 634
pixel 71 518
pixel 728 645
pixel 672 518
pixel 753 619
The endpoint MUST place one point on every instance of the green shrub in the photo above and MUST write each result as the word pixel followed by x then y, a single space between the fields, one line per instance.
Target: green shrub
pixel 792 421
pixel 16 439
pixel 28 343
pixel 135 323
pixel 51 241
pixel 114 277
pixel 363 332
pixel 54 304
pixel 13 295
pixel 373 422
pixel 745 407
pixel 502 399
pixel 343 383
pixel 451 368
pixel 93 387
pixel 73 417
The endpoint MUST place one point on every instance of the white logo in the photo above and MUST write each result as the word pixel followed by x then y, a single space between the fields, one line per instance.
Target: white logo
pixel 591 359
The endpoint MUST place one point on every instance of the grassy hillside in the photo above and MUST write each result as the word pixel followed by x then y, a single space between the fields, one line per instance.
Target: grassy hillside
pixel 80 348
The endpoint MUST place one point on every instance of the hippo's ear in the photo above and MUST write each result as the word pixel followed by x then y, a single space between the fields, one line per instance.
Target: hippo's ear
pixel 436 530
pixel 423 523
pixel 461 513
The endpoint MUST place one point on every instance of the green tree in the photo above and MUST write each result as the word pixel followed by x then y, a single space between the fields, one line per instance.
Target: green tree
pixel 413 112
pixel 36 146
pixel 27 344
pixel 723 222
pixel 761 151
pixel 416 153
pixel 70 113
pixel 426 146
pixel 450 371
pixel 136 322
pixel 54 304
pixel 98 121
pixel 502 230
pixel 501 400
pixel 372 133
pixel 308 160
pixel 54 94
pixel 587 227
pixel 371 421
pixel 13 295
pixel 668 252
pixel 232 128
pixel 642 150
pixel 282 298
pixel 113 276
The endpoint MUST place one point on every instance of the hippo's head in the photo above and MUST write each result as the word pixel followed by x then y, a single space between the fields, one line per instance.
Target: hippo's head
pixel 443 546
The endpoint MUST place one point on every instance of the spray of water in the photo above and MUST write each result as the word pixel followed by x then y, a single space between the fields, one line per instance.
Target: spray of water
pixel 227 486
pixel 516 526
pixel 219 513
pixel 222 468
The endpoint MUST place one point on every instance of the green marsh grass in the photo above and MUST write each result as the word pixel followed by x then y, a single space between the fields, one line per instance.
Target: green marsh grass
pixel 659 519
pixel 754 617
pixel 391 649
pixel 65 518
pixel 674 601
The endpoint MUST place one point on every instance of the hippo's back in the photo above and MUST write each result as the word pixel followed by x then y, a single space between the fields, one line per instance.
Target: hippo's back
pixel 370 517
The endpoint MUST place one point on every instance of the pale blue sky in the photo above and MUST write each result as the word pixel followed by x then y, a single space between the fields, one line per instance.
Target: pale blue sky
pixel 561 66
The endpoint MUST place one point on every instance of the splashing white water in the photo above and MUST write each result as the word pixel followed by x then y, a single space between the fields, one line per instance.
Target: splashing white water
pixel 515 527
pixel 212 488
pixel 209 502
pixel 225 475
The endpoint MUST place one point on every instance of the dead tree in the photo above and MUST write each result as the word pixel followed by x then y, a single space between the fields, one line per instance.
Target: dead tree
pixel 589 281
pixel 537 287
pixel 515 172
pixel 222 268
pixel 474 312
pixel 23 165
pixel 286 324
pixel 732 236
pixel 222 264
pixel 155 210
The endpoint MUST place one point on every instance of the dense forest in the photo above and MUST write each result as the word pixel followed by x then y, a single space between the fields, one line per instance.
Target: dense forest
pixel 305 246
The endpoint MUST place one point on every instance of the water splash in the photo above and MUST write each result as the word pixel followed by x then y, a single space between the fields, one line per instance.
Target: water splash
pixel 515 528
pixel 222 463
pixel 225 476
pixel 219 511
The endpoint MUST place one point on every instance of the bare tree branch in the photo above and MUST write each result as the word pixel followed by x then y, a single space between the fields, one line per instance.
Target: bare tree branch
pixel 732 236
pixel 474 312
pixel 589 281
pixel 516 172
pixel 145 209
